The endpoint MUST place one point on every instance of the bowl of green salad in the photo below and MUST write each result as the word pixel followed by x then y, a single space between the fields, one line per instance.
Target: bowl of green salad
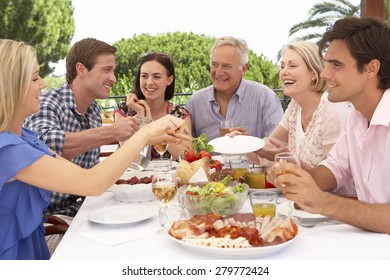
pixel 224 197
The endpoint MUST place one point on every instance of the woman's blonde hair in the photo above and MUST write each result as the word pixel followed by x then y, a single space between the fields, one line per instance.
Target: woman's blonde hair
pixel 17 60
pixel 309 52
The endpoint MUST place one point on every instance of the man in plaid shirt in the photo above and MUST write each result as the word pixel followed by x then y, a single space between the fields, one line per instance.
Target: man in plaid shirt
pixel 69 119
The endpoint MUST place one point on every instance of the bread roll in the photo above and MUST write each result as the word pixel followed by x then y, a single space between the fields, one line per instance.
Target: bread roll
pixel 186 170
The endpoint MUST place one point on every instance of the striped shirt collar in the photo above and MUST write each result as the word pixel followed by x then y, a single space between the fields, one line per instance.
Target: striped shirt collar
pixel 239 92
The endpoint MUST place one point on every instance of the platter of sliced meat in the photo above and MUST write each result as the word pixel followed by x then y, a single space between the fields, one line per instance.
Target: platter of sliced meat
pixel 237 236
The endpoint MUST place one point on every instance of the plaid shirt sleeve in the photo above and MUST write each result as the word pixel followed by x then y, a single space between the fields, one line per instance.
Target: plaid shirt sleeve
pixel 58 115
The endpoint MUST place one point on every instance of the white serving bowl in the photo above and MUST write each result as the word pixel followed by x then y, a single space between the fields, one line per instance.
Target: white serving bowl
pixel 133 193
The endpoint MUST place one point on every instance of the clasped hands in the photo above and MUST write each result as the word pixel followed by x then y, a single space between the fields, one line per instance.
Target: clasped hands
pixel 138 105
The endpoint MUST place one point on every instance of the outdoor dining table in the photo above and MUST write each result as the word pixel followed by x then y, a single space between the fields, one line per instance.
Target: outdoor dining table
pixel 325 242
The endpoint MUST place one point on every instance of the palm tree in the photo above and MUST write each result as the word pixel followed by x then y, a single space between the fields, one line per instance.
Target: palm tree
pixel 323 15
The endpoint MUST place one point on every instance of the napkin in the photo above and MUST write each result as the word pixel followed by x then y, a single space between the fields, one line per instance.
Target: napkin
pixel 199 176
pixel 113 238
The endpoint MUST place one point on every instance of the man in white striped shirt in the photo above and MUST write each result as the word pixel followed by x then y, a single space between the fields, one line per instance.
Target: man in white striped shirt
pixel 254 108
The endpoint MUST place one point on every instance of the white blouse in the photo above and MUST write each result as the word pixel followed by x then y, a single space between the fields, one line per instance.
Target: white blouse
pixel 314 144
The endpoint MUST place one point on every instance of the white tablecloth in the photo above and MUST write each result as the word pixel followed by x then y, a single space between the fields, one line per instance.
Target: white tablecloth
pixel 331 242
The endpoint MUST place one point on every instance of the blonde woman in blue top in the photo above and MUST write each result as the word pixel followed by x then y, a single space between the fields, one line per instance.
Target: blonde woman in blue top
pixel 30 170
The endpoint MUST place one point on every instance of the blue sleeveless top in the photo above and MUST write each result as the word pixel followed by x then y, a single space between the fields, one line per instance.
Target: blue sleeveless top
pixel 22 234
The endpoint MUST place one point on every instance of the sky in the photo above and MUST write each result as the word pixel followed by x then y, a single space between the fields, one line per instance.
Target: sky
pixel 263 24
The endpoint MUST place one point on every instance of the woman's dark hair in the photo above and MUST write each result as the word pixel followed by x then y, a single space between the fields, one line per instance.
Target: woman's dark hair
pixel 367 39
pixel 166 61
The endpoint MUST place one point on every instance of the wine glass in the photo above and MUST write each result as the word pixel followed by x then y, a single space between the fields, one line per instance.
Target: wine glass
pixel 225 126
pixel 164 187
pixel 287 157
pixel 184 214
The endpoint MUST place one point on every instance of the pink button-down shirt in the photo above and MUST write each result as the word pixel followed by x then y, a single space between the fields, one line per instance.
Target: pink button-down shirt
pixel 363 152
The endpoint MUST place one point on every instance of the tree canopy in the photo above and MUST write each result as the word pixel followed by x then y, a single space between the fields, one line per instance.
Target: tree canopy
pixel 323 15
pixel 48 25
pixel 191 56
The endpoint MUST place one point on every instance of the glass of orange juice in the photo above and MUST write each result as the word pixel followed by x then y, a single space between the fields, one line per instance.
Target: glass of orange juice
pixel 263 203
pixel 255 178
pixel 238 163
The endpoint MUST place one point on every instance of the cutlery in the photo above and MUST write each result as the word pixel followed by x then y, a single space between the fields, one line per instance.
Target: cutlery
pixel 317 224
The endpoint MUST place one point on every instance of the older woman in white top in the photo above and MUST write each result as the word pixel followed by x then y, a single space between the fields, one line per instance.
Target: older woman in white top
pixel 310 139
pixel 311 124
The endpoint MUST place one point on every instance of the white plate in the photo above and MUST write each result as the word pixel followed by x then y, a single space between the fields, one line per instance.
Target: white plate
pixel 284 209
pixel 233 253
pixel 237 145
pixel 276 190
pixel 121 214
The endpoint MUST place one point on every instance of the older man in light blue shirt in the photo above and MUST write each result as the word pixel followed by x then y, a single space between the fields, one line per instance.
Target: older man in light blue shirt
pixel 254 108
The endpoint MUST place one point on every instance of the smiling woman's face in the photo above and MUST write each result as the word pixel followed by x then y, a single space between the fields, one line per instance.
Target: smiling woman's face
pixel 30 104
pixel 154 80
pixel 296 77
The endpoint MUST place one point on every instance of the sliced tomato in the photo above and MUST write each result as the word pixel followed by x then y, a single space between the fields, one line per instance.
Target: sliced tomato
pixel 218 164
pixel 213 165
pixel 190 193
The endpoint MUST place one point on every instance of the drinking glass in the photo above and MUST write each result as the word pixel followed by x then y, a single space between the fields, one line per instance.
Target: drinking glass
pixel 184 214
pixel 287 157
pixel 255 178
pixel 224 127
pixel 238 163
pixel 263 203
pixel 161 164
pixel 164 187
